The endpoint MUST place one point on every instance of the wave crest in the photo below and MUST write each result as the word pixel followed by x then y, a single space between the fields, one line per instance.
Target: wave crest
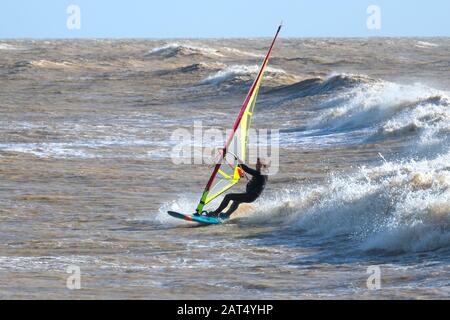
pixel 246 73
pixel 319 86
pixel 173 50
pixel 429 118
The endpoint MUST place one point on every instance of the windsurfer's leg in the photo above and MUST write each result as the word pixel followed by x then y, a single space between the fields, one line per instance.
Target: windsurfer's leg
pixel 232 209
pixel 237 200
pixel 222 205
pixel 236 197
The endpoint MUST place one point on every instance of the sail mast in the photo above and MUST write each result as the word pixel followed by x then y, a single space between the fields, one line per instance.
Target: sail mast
pixel 252 89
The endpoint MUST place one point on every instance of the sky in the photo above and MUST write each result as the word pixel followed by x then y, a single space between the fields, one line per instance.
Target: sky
pixel 217 18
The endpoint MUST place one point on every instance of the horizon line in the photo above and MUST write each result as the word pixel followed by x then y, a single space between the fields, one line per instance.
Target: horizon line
pixel 218 38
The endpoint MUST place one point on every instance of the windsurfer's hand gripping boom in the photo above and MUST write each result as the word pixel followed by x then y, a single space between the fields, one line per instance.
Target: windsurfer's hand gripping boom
pixel 240 162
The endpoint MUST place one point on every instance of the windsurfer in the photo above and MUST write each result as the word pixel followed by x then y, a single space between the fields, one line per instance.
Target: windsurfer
pixel 253 190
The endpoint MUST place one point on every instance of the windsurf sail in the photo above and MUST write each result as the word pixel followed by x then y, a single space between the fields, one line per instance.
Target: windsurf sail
pixel 226 172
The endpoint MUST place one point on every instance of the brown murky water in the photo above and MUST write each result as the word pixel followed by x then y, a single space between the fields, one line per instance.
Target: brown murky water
pixel 87 175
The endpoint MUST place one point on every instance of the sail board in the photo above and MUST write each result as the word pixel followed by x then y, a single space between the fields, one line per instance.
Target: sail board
pixel 226 172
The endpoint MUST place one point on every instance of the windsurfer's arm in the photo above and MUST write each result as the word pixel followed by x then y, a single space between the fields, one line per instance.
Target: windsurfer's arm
pixel 248 170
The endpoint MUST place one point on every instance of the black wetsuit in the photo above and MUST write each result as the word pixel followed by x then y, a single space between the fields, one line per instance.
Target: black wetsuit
pixel 254 189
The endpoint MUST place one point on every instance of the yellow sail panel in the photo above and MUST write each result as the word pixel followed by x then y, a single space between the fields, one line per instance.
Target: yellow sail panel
pixel 245 127
pixel 224 181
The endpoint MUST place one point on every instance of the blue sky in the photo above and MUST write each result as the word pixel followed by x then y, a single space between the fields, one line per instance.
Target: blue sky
pixel 215 18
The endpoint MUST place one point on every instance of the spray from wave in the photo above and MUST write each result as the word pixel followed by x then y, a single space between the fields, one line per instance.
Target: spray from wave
pixel 396 207
pixel 362 110
pixel 429 118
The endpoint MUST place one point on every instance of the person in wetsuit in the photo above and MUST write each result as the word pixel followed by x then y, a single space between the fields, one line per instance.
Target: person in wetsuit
pixel 253 190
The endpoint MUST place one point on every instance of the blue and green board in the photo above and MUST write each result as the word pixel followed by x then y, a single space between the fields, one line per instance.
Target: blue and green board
pixel 196 218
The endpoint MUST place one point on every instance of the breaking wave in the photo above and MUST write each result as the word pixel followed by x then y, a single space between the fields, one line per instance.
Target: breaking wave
pixel 319 86
pixel 425 44
pixel 176 49
pixel 368 110
pixel 173 50
pixel 396 207
pixel 246 73
pixel 369 104
pixel 430 119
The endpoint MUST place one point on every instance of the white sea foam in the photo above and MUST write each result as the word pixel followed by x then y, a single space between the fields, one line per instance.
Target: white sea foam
pixel 51 64
pixel 175 48
pixel 89 149
pixel 362 109
pixel 430 119
pixel 242 53
pixel 238 71
pixel 425 44
pixel 180 205
pixel 385 108
pixel 47 150
pixel 18 263
pixel 6 46
pixel 371 103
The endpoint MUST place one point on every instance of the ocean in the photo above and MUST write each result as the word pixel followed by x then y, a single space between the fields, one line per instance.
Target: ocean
pixel 87 169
